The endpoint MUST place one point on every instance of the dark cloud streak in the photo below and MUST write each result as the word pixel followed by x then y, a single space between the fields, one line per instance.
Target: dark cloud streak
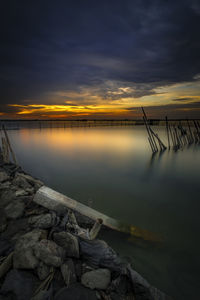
pixel 47 46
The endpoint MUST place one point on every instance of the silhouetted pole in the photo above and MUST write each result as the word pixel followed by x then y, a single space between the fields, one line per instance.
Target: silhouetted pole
pixel 9 145
pixel 167 128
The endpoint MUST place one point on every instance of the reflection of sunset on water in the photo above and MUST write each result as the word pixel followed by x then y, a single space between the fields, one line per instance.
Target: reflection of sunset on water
pixel 82 139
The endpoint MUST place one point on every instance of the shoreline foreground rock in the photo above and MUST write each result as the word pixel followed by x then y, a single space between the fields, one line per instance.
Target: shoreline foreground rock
pixel 48 254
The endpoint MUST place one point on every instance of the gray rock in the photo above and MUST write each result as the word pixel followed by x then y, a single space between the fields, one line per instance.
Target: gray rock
pixel 6 196
pixel 50 253
pixel 21 284
pixel 122 285
pixel 30 191
pixel 3 176
pixel 144 289
pixel 69 242
pixel 43 221
pixel 21 182
pixel 43 270
pixel 15 209
pixel 3 221
pixel 24 257
pixel 15 228
pixel 5 185
pixel 68 272
pixel 35 182
pixel 75 292
pixel 21 192
pixel 98 254
pixel 83 221
pixel 97 279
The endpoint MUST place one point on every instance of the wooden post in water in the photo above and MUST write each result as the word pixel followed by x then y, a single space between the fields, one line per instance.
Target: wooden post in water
pixel 149 131
pixel 171 134
pixel 9 145
pixel 191 135
pixel 162 146
pixel 167 128
pixel 149 138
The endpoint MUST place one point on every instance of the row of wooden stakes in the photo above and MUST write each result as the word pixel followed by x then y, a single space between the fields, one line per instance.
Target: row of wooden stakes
pixel 177 135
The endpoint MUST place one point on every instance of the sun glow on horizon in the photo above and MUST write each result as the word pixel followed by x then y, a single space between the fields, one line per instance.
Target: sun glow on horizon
pixel 113 102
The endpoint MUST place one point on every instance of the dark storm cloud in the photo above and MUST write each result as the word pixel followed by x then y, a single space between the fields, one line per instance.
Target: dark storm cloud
pixel 183 110
pixel 47 46
pixel 183 99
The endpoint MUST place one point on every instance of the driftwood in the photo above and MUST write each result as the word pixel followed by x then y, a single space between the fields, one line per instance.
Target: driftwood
pixel 95 229
pixel 60 203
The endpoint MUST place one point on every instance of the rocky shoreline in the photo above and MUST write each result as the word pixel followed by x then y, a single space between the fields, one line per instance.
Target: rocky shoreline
pixel 49 255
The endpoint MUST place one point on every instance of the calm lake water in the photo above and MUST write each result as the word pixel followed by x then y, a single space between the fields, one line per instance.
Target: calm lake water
pixel 112 168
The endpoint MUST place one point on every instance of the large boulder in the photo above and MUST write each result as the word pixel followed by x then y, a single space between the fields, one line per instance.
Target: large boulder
pixel 36 183
pixel 15 209
pixel 97 253
pixel 68 242
pixel 142 289
pixel 43 221
pixel 6 196
pixel 97 279
pixel 50 253
pixel 3 176
pixel 15 229
pixel 21 182
pixel 24 257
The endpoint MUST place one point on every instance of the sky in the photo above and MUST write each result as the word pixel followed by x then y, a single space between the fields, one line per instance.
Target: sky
pixel 99 59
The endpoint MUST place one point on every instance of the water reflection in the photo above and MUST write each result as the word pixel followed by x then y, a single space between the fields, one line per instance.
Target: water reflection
pixel 114 167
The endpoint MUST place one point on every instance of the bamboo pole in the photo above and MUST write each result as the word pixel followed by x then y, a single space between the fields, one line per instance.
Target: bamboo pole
pixel 172 138
pixel 162 146
pixel 167 128
pixel 191 135
pixel 177 139
pixel 150 134
pixel 151 145
pixel 149 138
pixel 9 145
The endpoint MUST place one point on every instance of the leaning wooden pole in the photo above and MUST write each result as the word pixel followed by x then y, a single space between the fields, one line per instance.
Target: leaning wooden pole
pixel 149 138
pixel 150 133
pixel 9 145
pixel 60 203
pixel 167 128
pixel 190 131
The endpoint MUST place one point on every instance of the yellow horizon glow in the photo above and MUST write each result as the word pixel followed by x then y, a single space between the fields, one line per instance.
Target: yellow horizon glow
pixel 72 109
pixel 117 103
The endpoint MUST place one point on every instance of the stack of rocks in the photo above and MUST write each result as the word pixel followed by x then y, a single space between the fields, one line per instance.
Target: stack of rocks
pixel 44 256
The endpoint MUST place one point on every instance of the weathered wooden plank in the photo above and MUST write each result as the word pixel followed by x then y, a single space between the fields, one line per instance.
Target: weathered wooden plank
pixel 60 203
